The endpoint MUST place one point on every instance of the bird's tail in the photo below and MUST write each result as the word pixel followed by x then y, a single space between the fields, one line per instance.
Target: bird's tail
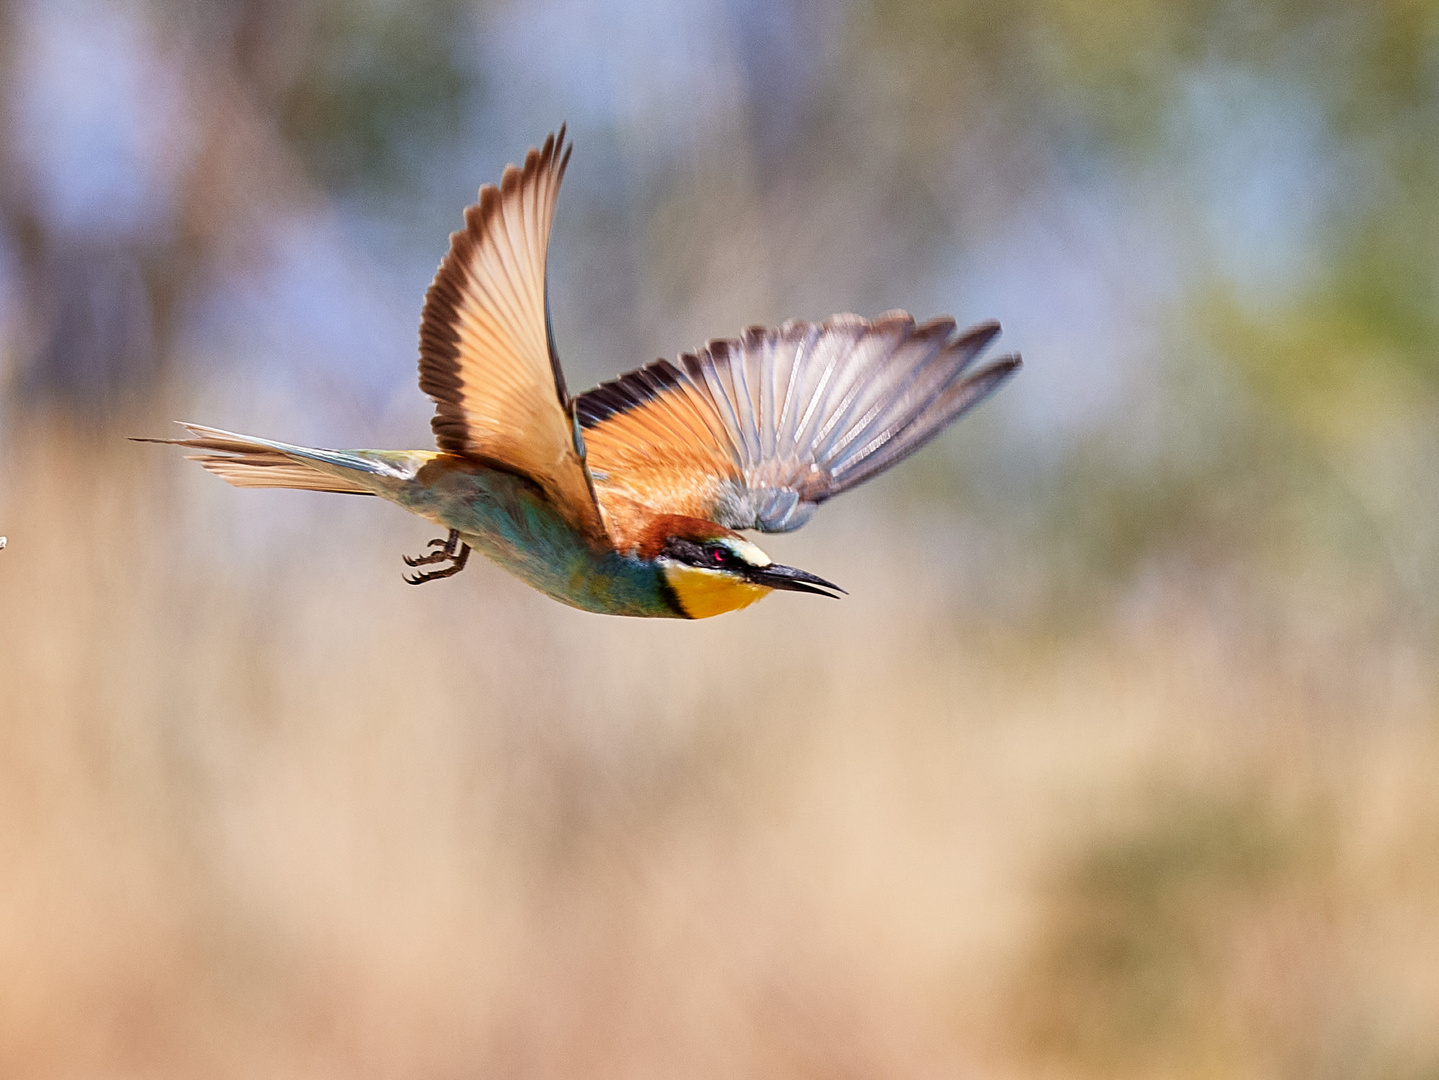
pixel 248 462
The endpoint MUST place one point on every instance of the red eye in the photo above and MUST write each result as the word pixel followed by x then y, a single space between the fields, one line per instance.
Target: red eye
pixel 719 556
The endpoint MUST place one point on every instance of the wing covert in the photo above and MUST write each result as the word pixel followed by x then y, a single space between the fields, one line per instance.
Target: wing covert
pixel 756 432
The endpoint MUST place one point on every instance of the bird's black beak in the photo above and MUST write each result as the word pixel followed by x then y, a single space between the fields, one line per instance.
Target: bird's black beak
pixel 792 580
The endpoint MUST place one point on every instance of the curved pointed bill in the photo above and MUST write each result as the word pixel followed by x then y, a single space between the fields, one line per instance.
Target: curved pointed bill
pixel 791 580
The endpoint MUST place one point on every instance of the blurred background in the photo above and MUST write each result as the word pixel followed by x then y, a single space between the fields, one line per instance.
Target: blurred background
pixel 1118 761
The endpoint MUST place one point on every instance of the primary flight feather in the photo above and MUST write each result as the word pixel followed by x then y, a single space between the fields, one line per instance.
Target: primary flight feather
pixel 629 498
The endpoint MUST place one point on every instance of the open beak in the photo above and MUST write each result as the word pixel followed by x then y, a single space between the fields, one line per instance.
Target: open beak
pixel 792 580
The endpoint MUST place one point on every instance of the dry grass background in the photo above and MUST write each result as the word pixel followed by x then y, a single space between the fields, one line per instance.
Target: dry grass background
pixel 264 810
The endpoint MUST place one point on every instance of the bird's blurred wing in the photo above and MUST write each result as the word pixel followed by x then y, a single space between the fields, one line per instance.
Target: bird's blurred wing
pixel 486 353
pixel 755 433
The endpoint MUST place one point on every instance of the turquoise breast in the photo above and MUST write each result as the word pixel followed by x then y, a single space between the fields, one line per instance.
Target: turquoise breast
pixel 508 518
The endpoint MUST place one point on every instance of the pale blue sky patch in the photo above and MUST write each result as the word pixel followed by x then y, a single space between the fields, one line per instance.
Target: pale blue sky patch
pixel 1259 157
pixel 97 115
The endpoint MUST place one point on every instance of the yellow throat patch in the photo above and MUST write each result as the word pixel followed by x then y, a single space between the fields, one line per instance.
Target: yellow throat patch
pixel 703 593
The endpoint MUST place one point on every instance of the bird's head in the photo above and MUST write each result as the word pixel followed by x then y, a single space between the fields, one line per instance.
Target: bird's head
pixel 711 569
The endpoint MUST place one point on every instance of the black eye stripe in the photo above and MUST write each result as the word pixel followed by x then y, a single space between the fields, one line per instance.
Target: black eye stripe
pixel 709 555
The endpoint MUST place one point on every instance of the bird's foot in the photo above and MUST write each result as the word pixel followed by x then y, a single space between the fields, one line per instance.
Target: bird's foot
pixel 450 550
pixel 447 548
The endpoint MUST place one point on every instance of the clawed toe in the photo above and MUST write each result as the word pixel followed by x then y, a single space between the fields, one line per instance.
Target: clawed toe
pixel 450 550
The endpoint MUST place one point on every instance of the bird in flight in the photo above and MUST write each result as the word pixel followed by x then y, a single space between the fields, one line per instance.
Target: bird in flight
pixel 628 498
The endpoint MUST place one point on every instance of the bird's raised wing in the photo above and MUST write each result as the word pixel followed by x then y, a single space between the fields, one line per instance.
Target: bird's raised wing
pixel 486 353
pixel 755 433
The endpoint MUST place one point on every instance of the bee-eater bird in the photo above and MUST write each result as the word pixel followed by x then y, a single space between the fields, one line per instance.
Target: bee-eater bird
pixel 627 499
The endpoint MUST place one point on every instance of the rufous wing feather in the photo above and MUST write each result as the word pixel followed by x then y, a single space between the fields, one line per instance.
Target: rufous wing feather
pixel 486 356
pixel 756 432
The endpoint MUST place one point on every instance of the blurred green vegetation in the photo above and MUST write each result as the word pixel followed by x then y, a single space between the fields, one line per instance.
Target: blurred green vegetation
pixel 380 86
pixel 1207 939
pixel 1141 941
